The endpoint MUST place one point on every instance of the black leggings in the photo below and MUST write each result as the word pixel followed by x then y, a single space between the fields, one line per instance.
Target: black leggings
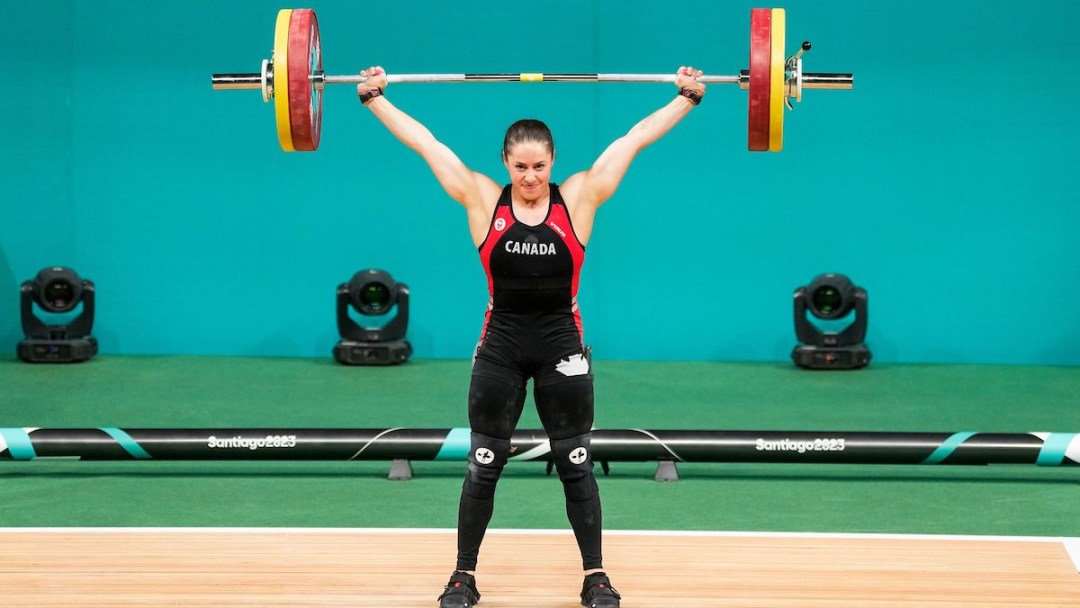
pixel 563 392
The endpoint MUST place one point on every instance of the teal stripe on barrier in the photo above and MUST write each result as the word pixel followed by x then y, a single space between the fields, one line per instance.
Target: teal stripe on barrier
pixel 456 445
pixel 18 442
pixel 947 447
pixel 130 445
pixel 1052 453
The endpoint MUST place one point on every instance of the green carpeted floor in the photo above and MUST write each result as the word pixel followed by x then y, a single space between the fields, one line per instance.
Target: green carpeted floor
pixel 182 392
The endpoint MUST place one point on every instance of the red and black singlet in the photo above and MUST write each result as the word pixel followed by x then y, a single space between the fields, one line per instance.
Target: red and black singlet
pixel 532 271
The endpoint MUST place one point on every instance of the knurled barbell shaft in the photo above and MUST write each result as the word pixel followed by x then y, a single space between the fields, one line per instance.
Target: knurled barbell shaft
pixel 810 80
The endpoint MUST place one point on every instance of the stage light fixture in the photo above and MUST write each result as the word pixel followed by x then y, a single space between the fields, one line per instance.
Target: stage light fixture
pixel 372 293
pixel 59 291
pixel 831 298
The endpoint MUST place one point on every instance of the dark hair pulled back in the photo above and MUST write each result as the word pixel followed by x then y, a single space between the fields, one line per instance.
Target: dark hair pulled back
pixel 528 129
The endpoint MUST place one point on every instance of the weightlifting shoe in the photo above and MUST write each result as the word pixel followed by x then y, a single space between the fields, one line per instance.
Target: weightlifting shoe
pixel 460 592
pixel 597 592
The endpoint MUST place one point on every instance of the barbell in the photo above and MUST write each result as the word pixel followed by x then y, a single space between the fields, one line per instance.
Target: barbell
pixel 294 79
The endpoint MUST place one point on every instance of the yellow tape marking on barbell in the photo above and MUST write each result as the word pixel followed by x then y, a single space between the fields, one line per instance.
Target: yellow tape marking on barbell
pixel 777 79
pixel 531 77
pixel 281 79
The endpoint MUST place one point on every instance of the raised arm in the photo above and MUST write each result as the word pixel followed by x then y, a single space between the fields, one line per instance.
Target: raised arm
pixel 586 191
pixel 475 191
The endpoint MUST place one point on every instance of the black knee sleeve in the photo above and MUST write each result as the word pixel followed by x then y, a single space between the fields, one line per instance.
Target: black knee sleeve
pixel 573 461
pixel 487 457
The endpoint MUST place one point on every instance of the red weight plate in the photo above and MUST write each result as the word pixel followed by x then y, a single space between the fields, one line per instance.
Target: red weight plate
pixel 305 100
pixel 760 66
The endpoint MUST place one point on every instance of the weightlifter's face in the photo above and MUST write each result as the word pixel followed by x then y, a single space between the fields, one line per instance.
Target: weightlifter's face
pixel 529 165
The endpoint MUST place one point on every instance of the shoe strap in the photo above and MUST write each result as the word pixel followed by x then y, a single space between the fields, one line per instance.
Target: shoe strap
pixel 596 585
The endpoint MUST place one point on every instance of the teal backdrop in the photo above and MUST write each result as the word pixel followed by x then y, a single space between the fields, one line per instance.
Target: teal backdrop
pixel 944 183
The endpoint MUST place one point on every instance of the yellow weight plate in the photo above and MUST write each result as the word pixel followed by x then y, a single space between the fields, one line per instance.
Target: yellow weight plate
pixel 777 90
pixel 281 79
